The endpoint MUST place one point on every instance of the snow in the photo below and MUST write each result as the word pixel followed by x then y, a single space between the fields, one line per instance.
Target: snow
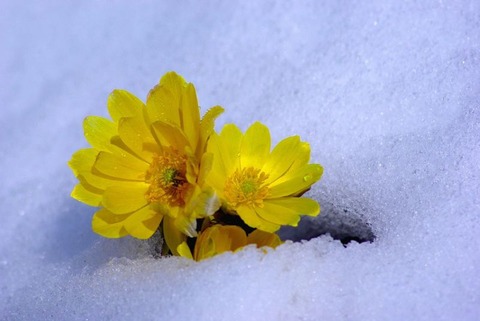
pixel 386 92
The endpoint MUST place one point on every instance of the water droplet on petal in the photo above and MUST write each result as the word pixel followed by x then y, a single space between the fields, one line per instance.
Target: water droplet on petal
pixel 307 177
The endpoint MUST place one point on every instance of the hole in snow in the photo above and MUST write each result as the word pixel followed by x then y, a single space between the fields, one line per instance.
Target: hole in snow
pixel 342 223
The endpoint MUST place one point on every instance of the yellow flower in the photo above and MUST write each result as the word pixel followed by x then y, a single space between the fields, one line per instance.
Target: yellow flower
pixel 260 185
pixel 218 239
pixel 146 164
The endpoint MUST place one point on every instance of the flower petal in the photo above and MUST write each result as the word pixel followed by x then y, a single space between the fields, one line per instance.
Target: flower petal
pixel 231 145
pixel 218 239
pixel 249 216
pixel 217 174
pixel 99 132
pixel 206 164
pixel 169 135
pixel 83 194
pixel 125 199
pixel 207 127
pixel 108 224
pixel 225 149
pixel 190 121
pixel 185 224
pixel 206 203
pixel 134 133
pixel 228 238
pixel 122 104
pixel 163 101
pixel 278 214
pixel 296 182
pixel 287 211
pixel 173 237
pixel 255 146
pixel 184 250
pixel 174 83
pixel 124 167
pixel 302 158
pixel 237 236
pixel 83 160
pixel 268 226
pixel 101 182
pixel 301 205
pixel 82 166
pixel 281 158
pixel 261 238
pixel 143 223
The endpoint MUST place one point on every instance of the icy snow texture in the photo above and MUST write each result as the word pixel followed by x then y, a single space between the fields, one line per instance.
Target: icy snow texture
pixel 386 92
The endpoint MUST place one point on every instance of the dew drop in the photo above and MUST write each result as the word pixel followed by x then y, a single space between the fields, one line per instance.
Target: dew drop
pixel 306 178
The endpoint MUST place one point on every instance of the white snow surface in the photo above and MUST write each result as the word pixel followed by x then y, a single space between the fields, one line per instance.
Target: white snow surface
pixel 386 92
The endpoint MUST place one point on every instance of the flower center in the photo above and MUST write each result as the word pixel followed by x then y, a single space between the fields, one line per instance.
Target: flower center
pixel 166 177
pixel 246 187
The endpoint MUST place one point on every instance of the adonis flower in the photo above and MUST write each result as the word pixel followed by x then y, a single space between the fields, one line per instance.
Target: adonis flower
pixel 158 165
pixel 218 239
pixel 260 185
pixel 148 164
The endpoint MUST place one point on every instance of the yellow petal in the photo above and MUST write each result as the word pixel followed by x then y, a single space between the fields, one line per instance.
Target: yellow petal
pixel 84 195
pixel 186 225
pixel 184 250
pixel 143 223
pixel 301 205
pixel 296 182
pixel 237 236
pixel 190 116
pixel 192 167
pixel 218 239
pixel 249 216
pixel 134 133
pixel 122 104
pixel 261 238
pixel 123 199
pixel 108 224
pixel 226 150
pixel 255 146
pixel 217 174
pixel 101 182
pixel 99 132
pixel 227 238
pixel 231 141
pixel 206 203
pixel 174 83
pixel 125 166
pixel 206 164
pixel 282 157
pixel 207 125
pixel 268 226
pixel 279 213
pixel 163 101
pixel 169 135
pixel 302 158
pixel 204 246
pixel 82 165
pixel 173 237
pixel 82 160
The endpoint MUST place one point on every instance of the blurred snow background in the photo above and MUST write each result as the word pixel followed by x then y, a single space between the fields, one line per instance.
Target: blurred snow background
pixel 386 92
